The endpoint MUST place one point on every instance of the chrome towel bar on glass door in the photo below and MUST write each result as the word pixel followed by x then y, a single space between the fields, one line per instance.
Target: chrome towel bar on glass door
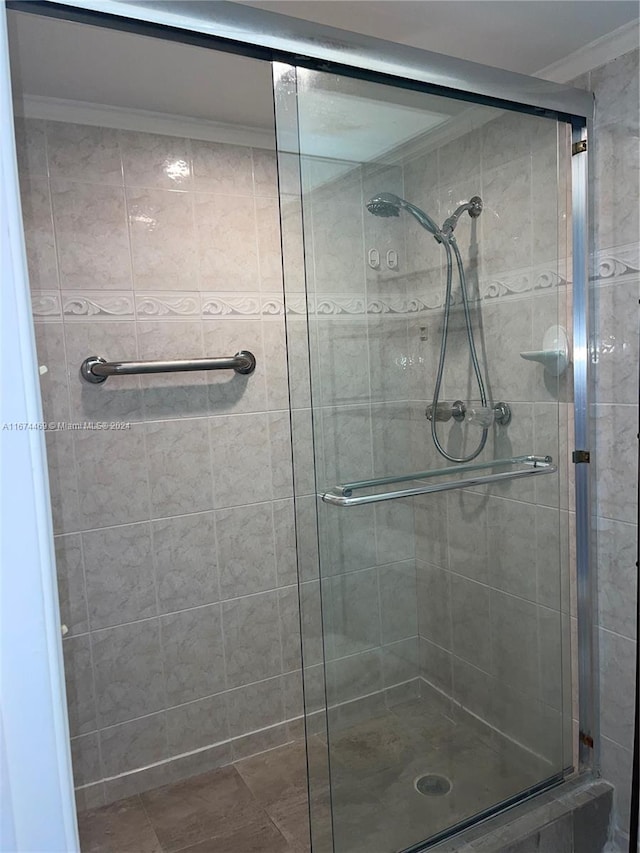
pixel 342 495
pixel 96 369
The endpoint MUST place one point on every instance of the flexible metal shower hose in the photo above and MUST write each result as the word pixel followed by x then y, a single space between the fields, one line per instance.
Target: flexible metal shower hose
pixel 450 244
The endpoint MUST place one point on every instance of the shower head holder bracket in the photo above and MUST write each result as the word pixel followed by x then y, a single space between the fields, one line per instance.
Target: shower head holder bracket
pixel 473 207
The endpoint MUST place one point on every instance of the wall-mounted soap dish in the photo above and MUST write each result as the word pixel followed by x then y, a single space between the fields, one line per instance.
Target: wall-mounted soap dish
pixel 555 354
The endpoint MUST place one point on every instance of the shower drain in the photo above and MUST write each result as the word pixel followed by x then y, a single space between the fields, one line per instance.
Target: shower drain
pixel 432 785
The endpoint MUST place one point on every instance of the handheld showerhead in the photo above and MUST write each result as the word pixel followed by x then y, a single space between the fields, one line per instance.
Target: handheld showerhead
pixel 385 205
pixel 388 204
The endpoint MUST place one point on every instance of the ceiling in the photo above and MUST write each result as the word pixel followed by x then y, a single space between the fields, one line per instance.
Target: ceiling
pixel 56 59
pixel 341 119
pixel 517 35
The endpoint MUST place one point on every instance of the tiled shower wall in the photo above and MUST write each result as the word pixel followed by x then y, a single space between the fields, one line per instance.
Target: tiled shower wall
pixel 358 334
pixel 492 611
pixel 494 604
pixel 616 290
pixel 174 535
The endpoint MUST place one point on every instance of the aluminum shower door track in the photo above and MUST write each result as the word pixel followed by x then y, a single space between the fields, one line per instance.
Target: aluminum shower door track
pixel 275 37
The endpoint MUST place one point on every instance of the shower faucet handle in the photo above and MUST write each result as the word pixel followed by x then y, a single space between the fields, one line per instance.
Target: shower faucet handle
pixel 482 416
pixel 446 411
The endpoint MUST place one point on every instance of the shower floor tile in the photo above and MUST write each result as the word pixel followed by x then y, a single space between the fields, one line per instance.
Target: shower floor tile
pixel 258 805
pixel 376 807
pixel 122 826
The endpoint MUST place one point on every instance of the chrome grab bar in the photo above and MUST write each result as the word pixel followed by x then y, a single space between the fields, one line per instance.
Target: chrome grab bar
pixel 342 495
pixel 95 369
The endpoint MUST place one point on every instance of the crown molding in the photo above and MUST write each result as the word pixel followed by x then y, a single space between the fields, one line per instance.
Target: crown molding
pixel 593 55
pixel 146 121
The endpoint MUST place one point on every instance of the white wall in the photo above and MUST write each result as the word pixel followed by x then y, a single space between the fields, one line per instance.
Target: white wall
pixel 37 798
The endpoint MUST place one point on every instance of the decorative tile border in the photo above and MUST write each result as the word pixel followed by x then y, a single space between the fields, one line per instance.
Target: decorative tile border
pixel 403 305
pixel 296 305
pixel 168 305
pixel 98 304
pixel 272 306
pixel 45 305
pixel 165 306
pixel 336 304
pixel 227 305
pixel 521 282
pixel 611 264
pixel 195 306
pixel 617 262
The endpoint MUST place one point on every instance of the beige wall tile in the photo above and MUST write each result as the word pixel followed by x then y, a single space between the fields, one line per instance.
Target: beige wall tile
pixel 151 160
pixel 39 235
pixel 91 235
pixel 222 168
pixel 78 152
pixel 163 243
pixel 226 242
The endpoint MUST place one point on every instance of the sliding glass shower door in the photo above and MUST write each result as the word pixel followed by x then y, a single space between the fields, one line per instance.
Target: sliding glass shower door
pixel 424 243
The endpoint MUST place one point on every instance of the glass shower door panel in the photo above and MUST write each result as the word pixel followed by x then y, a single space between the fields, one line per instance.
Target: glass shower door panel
pixel 431 259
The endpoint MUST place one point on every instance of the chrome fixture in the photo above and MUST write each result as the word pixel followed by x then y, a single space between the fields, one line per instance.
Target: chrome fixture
pixel 95 369
pixel 500 413
pixel 533 466
pixel 473 206
pixel 446 411
pixel 388 204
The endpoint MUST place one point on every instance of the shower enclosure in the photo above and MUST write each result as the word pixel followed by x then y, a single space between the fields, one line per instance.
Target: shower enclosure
pixel 433 252
pixel 428 223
